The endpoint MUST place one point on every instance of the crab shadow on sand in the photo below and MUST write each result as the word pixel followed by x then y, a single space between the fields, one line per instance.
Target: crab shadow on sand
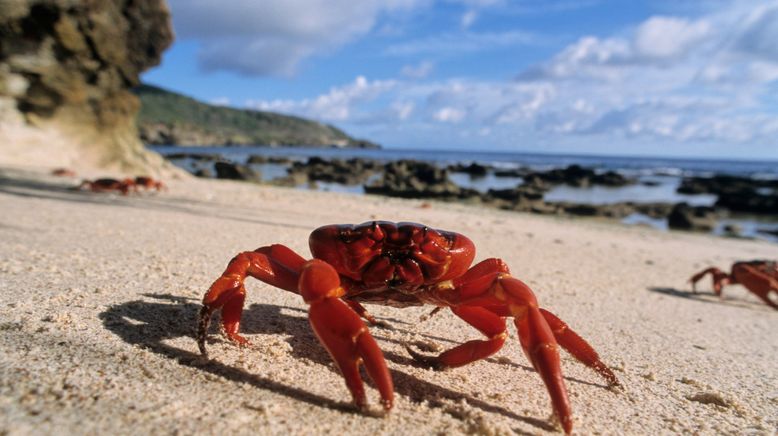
pixel 150 324
pixel 710 297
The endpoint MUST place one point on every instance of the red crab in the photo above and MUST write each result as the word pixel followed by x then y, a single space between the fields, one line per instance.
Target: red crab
pixel 105 185
pixel 149 183
pixel 758 276
pixel 403 264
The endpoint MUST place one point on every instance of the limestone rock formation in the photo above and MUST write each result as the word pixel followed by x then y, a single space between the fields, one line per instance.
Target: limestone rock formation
pixel 66 70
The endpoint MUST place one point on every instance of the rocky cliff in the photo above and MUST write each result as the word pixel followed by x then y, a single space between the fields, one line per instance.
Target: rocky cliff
pixel 66 70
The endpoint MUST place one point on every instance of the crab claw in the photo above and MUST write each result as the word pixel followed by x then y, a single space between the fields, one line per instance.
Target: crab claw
pixel 343 333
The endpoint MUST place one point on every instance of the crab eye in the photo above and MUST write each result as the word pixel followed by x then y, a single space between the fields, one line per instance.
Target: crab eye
pixel 376 233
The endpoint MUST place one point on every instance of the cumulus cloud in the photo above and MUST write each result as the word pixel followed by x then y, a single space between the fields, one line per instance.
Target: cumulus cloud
pixel 461 42
pixel 758 35
pixel 272 37
pixel 339 104
pixel 668 79
pixel 468 18
pixel 449 115
pixel 419 71
pixel 668 37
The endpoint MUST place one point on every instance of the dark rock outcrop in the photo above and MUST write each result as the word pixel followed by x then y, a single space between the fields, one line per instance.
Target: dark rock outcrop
pixel 526 198
pixel 474 169
pixel 749 200
pixel 259 159
pixel 347 172
pixel 234 171
pixel 511 172
pixel 723 183
pixel 738 194
pixel 576 175
pixel 66 68
pixel 415 179
pixel 694 218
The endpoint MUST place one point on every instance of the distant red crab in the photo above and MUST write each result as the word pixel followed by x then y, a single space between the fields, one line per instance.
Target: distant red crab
pixel 758 276
pixel 400 265
pixel 149 183
pixel 106 185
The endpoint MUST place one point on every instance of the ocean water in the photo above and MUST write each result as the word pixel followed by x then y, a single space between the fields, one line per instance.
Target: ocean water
pixel 634 166
pixel 658 178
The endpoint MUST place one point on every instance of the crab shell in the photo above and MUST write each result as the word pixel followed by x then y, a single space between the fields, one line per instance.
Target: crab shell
pixel 403 256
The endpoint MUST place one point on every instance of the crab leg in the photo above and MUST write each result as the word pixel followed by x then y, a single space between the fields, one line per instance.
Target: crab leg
pixel 367 316
pixel 578 347
pixel 488 323
pixel 343 333
pixel 489 288
pixel 276 265
pixel 720 279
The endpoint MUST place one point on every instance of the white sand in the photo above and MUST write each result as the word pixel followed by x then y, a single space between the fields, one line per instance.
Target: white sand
pixel 99 292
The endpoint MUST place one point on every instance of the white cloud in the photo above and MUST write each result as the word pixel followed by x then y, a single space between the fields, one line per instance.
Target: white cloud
pixel 687 80
pixel 449 115
pixel 419 71
pixel 667 80
pixel 468 18
pixel 271 37
pixel 339 104
pixel 669 37
pixel 758 35
pixel 403 109
pixel 461 42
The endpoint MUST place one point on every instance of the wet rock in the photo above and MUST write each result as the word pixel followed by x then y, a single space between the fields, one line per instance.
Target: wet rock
pixel 613 210
pixel 749 200
pixel 353 171
pixel 234 171
pixel 723 183
pixel 510 172
pixel 193 156
pixel 292 179
pixel 576 175
pixel 205 173
pixel 739 194
pixel 259 159
pixel 654 210
pixel 694 218
pixel 415 179
pixel 610 178
pixel 524 198
pixel 474 169
pixel 773 232
pixel 732 230
pixel 519 193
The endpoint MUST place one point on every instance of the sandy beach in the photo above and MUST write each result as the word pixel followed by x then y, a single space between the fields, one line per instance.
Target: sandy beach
pixel 99 295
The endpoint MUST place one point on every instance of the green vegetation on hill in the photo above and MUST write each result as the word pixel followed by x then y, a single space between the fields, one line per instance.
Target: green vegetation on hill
pixel 168 118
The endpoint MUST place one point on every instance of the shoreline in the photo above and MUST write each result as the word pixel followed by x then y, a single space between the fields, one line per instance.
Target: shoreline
pixel 645 193
pixel 100 292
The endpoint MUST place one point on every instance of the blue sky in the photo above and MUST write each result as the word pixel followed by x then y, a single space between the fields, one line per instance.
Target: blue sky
pixel 664 77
